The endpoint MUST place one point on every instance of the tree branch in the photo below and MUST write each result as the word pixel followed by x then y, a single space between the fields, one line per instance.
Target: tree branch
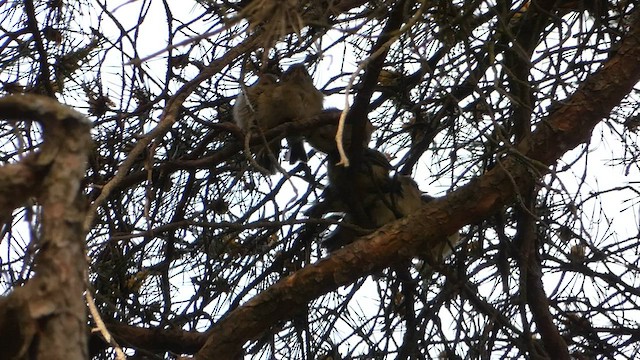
pixel 50 308
pixel 153 340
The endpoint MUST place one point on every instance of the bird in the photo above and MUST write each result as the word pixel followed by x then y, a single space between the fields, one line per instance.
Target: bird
pixel 294 98
pixel 402 198
pixel 270 103
pixel 245 107
pixel 247 114
pixel 323 138
pixel 370 173
pixel 298 81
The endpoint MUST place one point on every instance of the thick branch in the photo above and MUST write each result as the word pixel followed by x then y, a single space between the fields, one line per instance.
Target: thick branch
pixel 518 61
pixel 531 285
pixel 44 78
pixel 18 182
pixel 153 340
pixel 50 309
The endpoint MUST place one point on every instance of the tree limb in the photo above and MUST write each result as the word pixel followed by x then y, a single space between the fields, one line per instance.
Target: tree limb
pixel 50 308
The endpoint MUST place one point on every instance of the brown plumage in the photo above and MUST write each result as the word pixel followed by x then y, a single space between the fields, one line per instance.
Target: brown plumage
pixel 270 103
pixel 245 109
pixel 295 98
pixel 247 114
pixel 400 199
pixel 323 138
pixel 370 174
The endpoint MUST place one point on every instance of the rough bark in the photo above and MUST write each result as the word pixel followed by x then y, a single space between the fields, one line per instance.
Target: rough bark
pixel 154 340
pixel 46 318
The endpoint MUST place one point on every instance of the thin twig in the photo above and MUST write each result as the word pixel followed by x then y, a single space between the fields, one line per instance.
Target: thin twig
pixel 101 327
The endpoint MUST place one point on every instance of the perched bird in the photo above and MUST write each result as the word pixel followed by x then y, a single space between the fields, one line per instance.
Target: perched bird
pixel 348 186
pixel 270 103
pixel 323 138
pixel 247 115
pixel 246 105
pixel 309 99
pixel 400 199
pixel 369 174
pixel 295 98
